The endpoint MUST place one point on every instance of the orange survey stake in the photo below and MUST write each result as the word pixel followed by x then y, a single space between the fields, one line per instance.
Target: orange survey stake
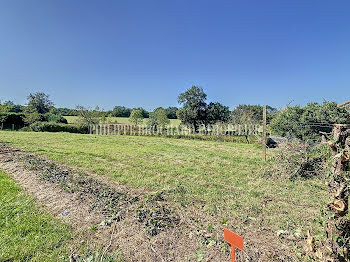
pixel 234 240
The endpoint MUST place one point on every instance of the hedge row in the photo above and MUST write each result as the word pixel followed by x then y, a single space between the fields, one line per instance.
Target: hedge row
pixel 10 119
pixel 56 127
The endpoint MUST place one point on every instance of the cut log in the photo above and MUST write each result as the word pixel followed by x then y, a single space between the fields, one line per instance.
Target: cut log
pixel 339 206
pixel 337 224
pixel 309 243
pixel 345 157
pixel 344 104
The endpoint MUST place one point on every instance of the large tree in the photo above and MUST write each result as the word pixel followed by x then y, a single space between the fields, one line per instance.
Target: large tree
pixel 38 105
pixel 216 112
pixel 193 111
pixel 39 102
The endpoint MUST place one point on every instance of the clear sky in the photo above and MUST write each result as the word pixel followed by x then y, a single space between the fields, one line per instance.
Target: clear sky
pixel 146 52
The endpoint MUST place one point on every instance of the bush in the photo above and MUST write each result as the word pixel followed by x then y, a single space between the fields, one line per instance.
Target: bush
pixel 295 160
pixel 13 119
pixel 57 127
pixel 306 123
pixel 49 117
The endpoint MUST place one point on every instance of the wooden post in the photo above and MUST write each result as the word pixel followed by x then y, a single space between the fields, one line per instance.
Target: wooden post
pixel 264 134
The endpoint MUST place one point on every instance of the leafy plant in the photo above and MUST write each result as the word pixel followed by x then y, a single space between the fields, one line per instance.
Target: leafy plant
pixel 193 112
pixel 88 117
pixel 158 118
pixel 136 116
pixel 244 114
pixel 306 123
pixel 57 127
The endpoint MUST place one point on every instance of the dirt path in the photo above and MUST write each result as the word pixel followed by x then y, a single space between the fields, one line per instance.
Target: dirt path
pixel 142 228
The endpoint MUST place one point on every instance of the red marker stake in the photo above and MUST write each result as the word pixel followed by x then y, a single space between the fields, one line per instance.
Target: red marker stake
pixel 234 240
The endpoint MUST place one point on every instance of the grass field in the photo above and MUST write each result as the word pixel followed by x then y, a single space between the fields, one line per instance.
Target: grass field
pixel 224 179
pixel 120 120
pixel 26 232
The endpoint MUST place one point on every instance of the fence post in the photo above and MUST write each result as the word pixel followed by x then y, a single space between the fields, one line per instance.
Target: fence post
pixel 264 134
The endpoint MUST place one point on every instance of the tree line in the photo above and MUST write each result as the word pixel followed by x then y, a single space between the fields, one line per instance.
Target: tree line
pixel 295 122
pixel 118 111
pixel 194 111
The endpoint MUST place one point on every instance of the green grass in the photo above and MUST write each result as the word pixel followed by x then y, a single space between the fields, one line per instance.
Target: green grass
pixel 120 120
pixel 26 232
pixel 225 179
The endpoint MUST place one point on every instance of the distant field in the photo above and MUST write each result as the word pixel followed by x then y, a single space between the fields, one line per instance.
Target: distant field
pixel 120 120
pixel 222 178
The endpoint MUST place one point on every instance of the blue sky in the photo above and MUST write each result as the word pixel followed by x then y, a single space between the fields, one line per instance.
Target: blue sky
pixel 144 53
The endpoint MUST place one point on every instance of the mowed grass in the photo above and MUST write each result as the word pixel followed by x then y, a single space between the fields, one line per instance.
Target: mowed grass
pixel 26 232
pixel 120 120
pixel 224 179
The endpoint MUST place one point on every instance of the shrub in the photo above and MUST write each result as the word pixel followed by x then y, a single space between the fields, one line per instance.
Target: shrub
pixel 13 119
pixel 306 123
pixel 49 117
pixel 57 127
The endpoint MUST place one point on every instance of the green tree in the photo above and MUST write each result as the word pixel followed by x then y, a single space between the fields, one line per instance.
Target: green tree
pixel 252 114
pixel 171 112
pixel 38 105
pixel 217 112
pixel 306 123
pixel 193 112
pixel 152 120
pixel 121 111
pixel 88 117
pixel 65 111
pixel 136 116
pixel 31 115
pixel 39 102
pixel 4 110
pixel 144 112
pixel 158 118
pixel 162 118
pixel 12 108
